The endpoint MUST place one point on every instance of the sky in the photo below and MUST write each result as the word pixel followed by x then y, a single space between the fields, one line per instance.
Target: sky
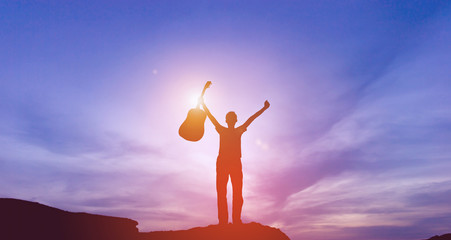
pixel 355 144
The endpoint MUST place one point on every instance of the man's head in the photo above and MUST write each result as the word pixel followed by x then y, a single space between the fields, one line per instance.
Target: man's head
pixel 231 118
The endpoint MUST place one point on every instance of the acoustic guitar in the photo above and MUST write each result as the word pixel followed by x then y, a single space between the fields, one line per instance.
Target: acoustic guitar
pixel 192 129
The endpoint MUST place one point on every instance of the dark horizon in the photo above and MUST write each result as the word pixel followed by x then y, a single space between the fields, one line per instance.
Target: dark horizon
pixel 24 220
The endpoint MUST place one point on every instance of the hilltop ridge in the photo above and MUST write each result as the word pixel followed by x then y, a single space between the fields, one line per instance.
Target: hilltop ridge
pixel 24 220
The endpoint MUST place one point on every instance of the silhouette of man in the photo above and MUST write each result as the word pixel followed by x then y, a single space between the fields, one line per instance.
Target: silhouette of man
pixel 229 162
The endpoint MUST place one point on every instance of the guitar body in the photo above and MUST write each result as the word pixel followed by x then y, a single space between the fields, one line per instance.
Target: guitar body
pixel 192 129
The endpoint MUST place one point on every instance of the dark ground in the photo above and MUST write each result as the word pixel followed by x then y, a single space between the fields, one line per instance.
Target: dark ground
pixel 442 237
pixel 23 220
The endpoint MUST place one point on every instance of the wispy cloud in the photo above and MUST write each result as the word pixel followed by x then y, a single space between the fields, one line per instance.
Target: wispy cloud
pixel 378 171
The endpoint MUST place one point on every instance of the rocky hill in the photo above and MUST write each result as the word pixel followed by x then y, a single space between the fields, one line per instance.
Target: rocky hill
pixel 31 221
pixel 442 237
pixel 248 231
pixel 23 220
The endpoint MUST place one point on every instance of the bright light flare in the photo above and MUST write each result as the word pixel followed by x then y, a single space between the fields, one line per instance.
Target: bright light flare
pixel 194 98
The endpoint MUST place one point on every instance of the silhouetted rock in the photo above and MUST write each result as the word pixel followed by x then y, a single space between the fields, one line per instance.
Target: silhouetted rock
pixel 248 231
pixel 30 220
pixel 442 237
pixel 24 220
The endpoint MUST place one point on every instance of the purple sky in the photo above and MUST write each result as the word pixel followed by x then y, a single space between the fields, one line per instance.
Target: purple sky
pixel 356 143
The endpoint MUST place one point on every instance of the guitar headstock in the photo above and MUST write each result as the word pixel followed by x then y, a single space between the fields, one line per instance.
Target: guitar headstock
pixel 207 85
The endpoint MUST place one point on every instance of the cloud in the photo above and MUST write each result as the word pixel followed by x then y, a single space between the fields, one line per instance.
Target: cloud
pixel 378 170
pixel 67 134
pixel 436 194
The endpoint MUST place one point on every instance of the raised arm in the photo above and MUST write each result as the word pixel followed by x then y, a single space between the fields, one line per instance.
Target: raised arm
pixel 253 117
pixel 210 116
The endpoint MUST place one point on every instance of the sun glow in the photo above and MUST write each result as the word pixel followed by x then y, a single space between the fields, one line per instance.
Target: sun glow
pixel 194 98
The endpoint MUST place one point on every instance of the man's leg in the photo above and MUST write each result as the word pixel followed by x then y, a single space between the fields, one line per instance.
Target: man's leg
pixel 222 177
pixel 236 176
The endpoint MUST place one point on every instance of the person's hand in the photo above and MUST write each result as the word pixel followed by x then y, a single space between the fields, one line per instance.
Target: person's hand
pixel 266 104
pixel 201 100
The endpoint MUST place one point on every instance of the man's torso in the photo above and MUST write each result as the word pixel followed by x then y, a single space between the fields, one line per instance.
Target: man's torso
pixel 230 142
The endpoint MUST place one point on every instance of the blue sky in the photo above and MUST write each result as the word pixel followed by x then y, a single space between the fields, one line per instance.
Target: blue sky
pixel 355 144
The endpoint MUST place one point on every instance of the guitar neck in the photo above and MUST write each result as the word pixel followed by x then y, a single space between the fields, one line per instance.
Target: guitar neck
pixel 207 85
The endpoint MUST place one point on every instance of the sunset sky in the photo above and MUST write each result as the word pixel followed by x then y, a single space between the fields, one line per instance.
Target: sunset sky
pixel 356 143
